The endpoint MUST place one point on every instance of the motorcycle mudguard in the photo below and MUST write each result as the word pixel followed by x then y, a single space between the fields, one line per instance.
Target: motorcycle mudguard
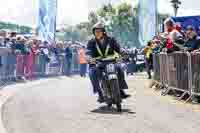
pixel 112 76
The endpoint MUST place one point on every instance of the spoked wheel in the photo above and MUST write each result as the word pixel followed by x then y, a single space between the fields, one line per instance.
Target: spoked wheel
pixel 109 105
pixel 116 94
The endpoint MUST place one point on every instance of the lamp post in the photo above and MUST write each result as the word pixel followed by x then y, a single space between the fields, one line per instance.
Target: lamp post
pixel 175 4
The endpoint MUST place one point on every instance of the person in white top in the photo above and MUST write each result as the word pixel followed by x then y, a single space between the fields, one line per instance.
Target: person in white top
pixel 171 30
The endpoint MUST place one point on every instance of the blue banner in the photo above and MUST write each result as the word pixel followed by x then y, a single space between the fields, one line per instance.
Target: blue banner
pixel 147 16
pixel 47 20
pixel 189 20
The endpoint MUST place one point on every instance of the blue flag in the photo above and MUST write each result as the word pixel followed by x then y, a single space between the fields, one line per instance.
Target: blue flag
pixel 47 20
pixel 147 16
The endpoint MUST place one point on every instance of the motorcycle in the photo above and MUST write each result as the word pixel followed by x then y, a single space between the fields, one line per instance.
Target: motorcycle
pixel 109 82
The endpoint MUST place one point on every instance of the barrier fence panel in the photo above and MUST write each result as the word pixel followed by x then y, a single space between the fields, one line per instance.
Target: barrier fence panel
pixel 195 69
pixel 18 67
pixel 10 66
pixel 40 65
pixel 163 68
pixel 156 67
pixel 7 68
pixel 179 71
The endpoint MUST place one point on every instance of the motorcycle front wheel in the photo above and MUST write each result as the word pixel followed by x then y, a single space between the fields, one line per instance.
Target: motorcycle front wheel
pixel 114 84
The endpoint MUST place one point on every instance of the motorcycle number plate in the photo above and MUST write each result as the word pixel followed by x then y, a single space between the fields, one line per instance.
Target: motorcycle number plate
pixel 110 68
pixel 112 76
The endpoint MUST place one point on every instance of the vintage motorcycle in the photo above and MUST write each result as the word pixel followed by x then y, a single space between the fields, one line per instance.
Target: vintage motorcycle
pixel 109 82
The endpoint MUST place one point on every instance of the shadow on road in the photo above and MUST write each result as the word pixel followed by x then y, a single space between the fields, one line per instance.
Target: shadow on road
pixel 107 110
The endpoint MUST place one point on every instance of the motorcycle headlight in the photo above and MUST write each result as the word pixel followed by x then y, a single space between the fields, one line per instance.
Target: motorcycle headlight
pixel 110 68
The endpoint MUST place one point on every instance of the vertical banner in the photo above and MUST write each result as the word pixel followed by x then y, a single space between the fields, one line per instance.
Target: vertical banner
pixel 47 20
pixel 147 16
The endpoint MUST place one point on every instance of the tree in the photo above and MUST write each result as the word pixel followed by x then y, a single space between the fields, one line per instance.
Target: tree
pixel 15 27
pixel 121 22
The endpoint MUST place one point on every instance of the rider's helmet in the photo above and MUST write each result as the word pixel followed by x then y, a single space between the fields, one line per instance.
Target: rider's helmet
pixel 99 25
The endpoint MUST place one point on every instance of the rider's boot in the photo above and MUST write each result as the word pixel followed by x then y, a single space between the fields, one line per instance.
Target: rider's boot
pixel 124 95
pixel 100 97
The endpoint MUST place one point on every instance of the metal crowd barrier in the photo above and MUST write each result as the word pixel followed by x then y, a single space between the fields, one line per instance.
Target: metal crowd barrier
pixel 156 67
pixel 163 69
pixel 17 67
pixel 179 71
pixel 7 66
pixel 195 74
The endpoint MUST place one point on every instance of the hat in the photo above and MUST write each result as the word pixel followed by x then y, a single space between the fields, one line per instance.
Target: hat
pixel 178 27
pixel 190 27
pixel 21 38
pixel 170 21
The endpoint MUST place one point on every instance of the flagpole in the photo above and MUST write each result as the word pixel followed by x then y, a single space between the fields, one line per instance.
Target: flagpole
pixel 55 23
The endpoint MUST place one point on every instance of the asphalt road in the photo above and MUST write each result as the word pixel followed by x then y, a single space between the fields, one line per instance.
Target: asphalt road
pixel 68 106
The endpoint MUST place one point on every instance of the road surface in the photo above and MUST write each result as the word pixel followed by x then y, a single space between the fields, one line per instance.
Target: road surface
pixel 65 105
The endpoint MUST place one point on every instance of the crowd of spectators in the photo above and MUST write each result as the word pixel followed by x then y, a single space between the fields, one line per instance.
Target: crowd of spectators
pixel 23 52
pixel 173 39
pixel 176 39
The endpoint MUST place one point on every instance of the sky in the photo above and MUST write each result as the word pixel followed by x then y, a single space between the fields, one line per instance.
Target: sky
pixel 74 11
pixel 187 8
pixel 69 11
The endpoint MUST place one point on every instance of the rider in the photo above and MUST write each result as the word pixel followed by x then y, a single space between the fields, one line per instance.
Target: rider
pixel 103 46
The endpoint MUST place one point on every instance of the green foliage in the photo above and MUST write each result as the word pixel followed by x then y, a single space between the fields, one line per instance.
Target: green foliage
pixel 15 27
pixel 121 22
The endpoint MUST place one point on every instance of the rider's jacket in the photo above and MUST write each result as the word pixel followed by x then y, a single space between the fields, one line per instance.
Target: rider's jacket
pixel 108 49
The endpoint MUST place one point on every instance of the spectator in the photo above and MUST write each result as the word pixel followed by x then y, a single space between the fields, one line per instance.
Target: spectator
pixel 44 57
pixel 82 61
pixel 11 60
pixel 148 50
pixel 20 45
pixel 68 60
pixel 59 52
pixel 21 52
pixel 157 44
pixel 31 59
pixel 3 33
pixel 179 29
pixel 172 36
pixel 13 34
pixel 60 47
pixel 189 30
pixel 192 42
